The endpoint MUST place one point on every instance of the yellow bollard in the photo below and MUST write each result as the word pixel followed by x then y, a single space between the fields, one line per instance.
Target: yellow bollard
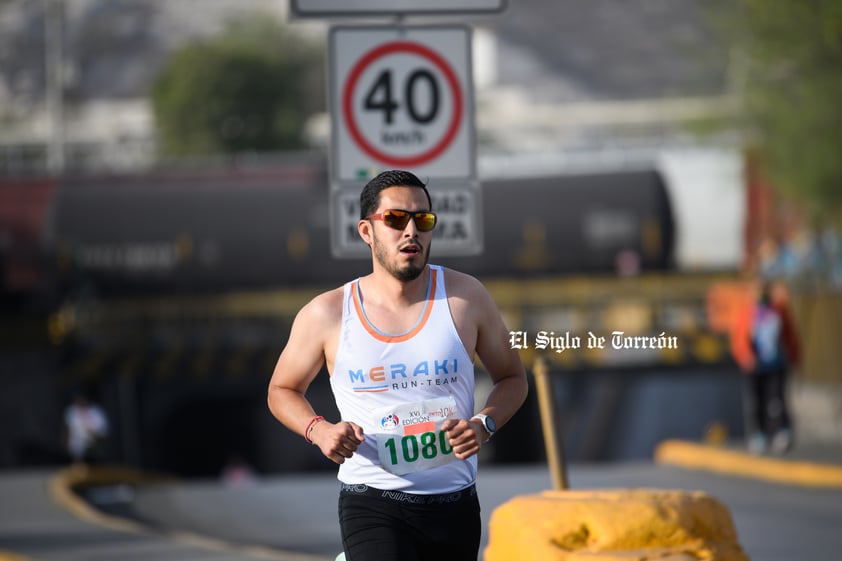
pixel 552 438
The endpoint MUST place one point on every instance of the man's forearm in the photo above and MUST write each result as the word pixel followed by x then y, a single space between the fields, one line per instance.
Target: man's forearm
pixel 506 397
pixel 291 408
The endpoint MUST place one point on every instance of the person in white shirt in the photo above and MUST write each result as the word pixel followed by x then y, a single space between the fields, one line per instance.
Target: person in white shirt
pixel 86 427
pixel 399 346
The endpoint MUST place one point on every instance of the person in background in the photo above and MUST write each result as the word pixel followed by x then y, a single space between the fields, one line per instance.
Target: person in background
pixel 237 472
pixel 399 346
pixel 765 345
pixel 86 428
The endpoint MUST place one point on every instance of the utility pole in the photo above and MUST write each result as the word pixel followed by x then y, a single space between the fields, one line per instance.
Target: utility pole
pixel 54 52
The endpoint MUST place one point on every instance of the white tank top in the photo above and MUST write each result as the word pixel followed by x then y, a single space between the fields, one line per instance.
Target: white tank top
pixel 399 388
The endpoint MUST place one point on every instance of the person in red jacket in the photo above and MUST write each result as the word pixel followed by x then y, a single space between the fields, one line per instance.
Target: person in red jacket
pixel 765 345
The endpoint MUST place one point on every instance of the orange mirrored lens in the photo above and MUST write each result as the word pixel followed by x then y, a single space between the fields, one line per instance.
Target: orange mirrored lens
pixel 398 219
pixel 425 221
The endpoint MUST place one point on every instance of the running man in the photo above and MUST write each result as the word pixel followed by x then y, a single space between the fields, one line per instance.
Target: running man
pixel 399 345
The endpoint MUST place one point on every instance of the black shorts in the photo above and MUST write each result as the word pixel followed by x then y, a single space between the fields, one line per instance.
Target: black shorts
pixel 382 525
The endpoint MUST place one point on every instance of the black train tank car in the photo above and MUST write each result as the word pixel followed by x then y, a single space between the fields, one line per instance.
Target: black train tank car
pixel 208 232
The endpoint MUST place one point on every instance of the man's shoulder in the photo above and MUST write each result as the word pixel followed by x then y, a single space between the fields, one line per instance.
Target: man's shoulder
pixel 325 307
pixel 458 282
pixel 466 294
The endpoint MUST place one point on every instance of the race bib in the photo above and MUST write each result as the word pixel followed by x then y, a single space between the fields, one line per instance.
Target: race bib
pixel 411 438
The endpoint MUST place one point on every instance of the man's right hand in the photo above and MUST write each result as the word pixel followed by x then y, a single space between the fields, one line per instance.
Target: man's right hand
pixel 337 441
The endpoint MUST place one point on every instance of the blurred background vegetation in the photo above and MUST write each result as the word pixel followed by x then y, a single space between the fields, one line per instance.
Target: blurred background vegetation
pixel 786 66
pixel 252 88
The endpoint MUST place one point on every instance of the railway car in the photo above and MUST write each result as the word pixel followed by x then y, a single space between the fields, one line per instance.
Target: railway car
pixel 209 232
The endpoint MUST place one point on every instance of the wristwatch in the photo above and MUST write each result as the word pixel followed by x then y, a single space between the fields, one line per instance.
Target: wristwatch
pixel 487 422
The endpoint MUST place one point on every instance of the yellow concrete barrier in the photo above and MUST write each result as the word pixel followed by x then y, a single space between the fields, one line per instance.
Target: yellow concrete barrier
pixel 613 525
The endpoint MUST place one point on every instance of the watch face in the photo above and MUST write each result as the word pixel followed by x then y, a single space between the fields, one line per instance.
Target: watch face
pixel 490 425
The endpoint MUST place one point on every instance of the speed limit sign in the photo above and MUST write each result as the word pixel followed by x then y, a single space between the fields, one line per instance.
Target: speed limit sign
pixel 401 97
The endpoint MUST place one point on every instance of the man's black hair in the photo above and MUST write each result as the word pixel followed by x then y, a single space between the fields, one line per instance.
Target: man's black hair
pixel 370 195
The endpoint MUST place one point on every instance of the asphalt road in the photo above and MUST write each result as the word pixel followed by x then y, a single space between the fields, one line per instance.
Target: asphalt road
pixel 774 522
pixel 293 517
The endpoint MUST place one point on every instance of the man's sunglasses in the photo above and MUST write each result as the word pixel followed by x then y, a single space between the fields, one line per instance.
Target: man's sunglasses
pixel 398 219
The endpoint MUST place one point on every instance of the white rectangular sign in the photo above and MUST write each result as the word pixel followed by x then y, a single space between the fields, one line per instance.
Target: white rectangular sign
pixel 458 231
pixel 401 98
pixel 320 8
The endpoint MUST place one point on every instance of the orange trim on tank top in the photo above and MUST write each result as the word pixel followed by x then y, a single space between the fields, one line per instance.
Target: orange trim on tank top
pixel 428 308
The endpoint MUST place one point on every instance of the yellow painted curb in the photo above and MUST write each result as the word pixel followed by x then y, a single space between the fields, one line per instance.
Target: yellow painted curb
pixel 613 525
pixel 67 483
pixel 9 556
pixel 722 460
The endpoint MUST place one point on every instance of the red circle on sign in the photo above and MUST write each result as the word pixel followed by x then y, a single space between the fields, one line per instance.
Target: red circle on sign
pixel 354 76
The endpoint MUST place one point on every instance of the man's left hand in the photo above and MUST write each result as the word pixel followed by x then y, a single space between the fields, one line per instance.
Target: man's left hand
pixel 465 436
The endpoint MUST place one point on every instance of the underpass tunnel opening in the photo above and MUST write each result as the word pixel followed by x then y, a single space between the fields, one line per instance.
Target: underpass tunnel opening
pixel 202 435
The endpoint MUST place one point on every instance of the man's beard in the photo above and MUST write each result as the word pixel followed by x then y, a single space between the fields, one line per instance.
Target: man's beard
pixel 412 270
